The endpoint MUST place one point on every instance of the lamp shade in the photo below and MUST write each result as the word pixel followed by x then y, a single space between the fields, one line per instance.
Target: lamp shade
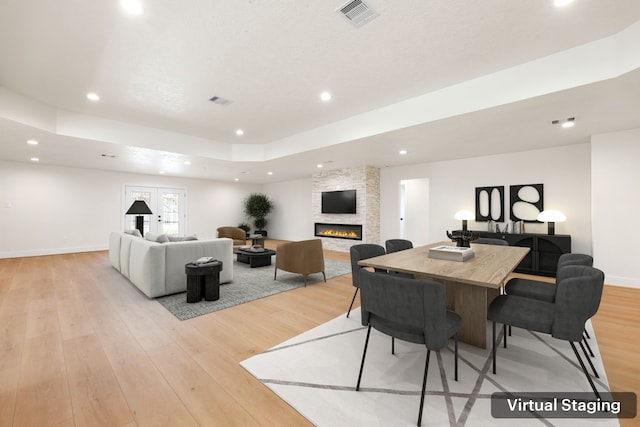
pixel 139 207
pixel 551 216
pixel 464 215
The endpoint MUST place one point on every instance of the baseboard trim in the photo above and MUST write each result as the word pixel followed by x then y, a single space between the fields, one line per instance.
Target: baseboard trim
pixel 55 251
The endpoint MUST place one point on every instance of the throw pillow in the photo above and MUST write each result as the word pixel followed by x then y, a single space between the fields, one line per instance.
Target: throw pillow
pixel 151 237
pixel 173 238
pixel 134 232
pixel 162 238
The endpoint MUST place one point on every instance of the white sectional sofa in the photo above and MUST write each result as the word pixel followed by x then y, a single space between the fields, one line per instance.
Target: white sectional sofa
pixel 158 268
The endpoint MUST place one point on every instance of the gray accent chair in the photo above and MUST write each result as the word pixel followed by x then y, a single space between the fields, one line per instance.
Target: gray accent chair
pixel 358 253
pixel 397 245
pixel 577 298
pixel 489 241
pixel 410 310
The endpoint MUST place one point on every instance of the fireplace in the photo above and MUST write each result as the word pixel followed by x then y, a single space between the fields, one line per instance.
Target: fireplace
pixel 339 231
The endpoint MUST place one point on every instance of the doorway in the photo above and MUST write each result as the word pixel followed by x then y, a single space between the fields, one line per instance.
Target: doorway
pixel 414 210
pixel 167 204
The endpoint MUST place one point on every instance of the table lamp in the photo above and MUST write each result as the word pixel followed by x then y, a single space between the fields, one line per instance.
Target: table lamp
pixel 139 208
pixel 551 217
pixel 464 216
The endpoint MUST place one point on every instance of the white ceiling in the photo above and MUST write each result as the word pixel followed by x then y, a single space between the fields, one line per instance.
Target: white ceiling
pixel 443 79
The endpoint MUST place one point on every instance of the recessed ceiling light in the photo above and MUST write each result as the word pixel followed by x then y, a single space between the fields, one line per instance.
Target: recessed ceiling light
pixel 35 159
pixel 319 165
pixel 187 162
pixel 133 7
pixel 566 123
pixel 562 3
pixel 239 132
pixel 325 96
pixel 269 173
pixel 93 96
pixel 236 179
pixel 403 152
pixel 32 142
pixel 161 172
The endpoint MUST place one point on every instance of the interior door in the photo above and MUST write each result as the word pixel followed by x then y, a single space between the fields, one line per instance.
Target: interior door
pixel 167 204
pixel 415 209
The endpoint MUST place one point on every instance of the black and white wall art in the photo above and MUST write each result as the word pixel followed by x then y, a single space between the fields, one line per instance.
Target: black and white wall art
pixel 490 204
pixel 527 201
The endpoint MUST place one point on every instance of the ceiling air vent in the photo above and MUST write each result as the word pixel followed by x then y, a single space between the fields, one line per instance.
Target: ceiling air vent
pixel 357 12
pixel 220 101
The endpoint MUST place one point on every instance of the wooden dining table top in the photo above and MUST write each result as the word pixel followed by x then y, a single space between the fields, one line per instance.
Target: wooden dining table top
pixel 489 267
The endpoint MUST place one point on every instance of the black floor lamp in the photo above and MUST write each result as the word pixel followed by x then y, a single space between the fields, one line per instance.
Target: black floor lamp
pixel 139 208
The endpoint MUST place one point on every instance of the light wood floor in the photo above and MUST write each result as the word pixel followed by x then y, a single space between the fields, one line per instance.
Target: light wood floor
pixel 81 346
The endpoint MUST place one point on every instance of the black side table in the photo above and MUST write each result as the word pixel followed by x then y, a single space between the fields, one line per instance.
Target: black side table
pixel 203 280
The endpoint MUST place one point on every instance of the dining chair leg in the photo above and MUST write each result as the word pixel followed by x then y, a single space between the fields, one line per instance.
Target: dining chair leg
pixel 424 387
pixel 393 345
pixel 493 345
pixel 455 346
pixel 504 332
pixel 364 353
pixel 352 300
pixel 593 368
pixel 587 334
pixel 584 340
pixel 584 369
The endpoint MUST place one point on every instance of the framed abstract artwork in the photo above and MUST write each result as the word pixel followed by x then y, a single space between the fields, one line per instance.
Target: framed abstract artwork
pixel 490 204
pixel 526 201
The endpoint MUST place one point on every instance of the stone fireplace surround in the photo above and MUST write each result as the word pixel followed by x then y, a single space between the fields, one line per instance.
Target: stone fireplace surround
pixel 366 181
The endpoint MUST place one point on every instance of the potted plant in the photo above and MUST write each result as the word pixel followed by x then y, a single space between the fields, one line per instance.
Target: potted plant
pixel 246 227
pixel 258 206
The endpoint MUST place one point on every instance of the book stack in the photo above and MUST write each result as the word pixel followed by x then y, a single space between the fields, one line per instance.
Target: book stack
pixel 451 253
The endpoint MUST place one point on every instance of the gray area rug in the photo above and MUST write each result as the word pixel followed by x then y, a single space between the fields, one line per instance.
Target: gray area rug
pixel 248 284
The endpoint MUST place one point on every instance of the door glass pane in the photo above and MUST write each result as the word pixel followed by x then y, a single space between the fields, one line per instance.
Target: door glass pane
pixel 170 213
pixel 167 206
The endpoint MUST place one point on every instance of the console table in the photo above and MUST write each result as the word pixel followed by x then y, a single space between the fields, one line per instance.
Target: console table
pixel 542 260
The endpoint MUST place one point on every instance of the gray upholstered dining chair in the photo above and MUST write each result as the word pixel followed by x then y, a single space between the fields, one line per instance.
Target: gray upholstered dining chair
pixel 545 291
pixel 396 245
pixel 410 310
pixel 577 298
pixel 358 253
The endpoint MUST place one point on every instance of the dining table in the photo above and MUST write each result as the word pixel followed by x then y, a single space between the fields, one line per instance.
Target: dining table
pixel 470 285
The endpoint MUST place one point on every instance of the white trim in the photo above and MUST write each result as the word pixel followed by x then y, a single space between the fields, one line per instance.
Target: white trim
pixel 54 251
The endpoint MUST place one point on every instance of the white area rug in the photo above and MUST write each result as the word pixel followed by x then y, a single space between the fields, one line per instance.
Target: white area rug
pixel 316 373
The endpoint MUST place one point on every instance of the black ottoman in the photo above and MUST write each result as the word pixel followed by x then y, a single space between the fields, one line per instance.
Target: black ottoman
pixel 203 280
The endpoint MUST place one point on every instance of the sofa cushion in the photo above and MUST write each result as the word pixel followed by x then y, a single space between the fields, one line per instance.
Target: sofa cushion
pixel 125 253
pixel 147 267
pixel 114 250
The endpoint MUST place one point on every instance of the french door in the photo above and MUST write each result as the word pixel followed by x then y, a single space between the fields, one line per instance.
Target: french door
pixel 168 207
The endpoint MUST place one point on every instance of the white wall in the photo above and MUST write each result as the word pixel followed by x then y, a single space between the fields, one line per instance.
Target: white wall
pixel 565 173
pixel 615 166
pixel 291 218
pixel 49 209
